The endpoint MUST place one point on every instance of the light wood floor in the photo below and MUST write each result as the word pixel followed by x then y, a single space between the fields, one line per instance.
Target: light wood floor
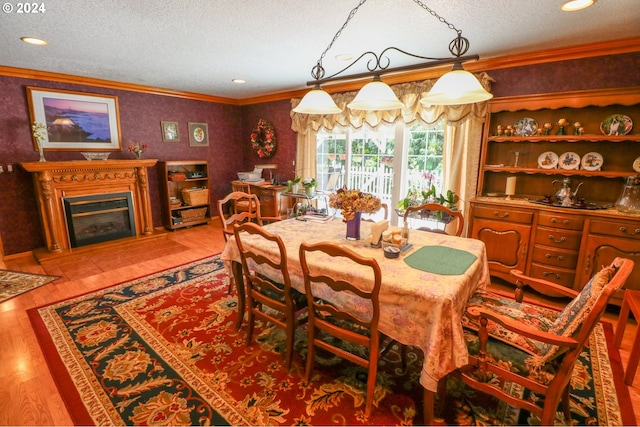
pixel 28 395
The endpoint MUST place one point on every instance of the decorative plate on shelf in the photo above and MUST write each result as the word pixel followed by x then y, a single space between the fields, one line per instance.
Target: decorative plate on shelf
pixel 569 160
pixel 592 161
pixel 526 127
pixel 636 165
pixel 548 160
pixel 616 124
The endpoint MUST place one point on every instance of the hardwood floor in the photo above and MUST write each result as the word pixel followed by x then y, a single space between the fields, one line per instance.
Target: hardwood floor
pixel 28 395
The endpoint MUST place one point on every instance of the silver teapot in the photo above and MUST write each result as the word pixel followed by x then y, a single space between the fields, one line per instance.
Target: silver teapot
pixel 564 196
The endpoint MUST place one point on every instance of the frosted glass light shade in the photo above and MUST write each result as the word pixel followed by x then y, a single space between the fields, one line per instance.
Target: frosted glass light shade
pixel 317 101
pixel 375 95
pixel 573 5
pixel 455 88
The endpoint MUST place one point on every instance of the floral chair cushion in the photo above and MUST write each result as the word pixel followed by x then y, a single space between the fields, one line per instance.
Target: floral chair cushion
pixel 514 359
pixel 524 313
pixel 574 314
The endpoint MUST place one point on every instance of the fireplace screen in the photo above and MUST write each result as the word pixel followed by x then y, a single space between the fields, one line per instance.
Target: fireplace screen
pixel 99 218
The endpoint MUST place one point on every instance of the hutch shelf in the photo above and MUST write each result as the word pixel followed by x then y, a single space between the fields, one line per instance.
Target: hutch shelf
pixel 563 244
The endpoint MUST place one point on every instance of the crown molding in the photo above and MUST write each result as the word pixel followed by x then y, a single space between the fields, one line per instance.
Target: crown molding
pixel 613 47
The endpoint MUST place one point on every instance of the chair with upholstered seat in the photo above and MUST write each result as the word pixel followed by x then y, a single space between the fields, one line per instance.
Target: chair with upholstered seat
pixel 533 346
pixel 438 214
pixel 241 205
pixel 268 300
pixel 329 318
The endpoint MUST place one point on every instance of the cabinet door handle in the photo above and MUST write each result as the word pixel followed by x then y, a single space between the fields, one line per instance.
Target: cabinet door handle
pixel 624 230
pixel 560 257
pixel 496 213
pixel 550 273
pixel 562 239
pixel 555 221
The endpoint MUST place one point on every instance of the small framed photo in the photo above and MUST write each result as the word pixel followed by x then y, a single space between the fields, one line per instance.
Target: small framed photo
pixel 170 132
pixel 198 135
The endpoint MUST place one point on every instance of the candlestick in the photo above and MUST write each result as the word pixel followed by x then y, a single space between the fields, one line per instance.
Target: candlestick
pixel 511 187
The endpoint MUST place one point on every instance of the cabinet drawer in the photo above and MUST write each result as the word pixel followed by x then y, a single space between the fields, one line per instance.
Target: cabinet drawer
pixel 569 222
pixel 555 256
pixel 560 276
pixel 503 213
pixel 558 238
pixel 615 228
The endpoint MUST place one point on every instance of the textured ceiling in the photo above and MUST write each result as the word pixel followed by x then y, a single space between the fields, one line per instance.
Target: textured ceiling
pixel 201 45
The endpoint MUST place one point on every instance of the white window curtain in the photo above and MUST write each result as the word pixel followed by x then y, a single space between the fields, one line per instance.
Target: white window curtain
pixel 463 132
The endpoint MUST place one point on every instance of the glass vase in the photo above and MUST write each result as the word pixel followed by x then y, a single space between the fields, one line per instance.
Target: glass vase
pixel 353 227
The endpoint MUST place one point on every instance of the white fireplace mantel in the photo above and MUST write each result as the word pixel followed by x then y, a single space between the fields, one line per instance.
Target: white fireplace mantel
pixel 54 181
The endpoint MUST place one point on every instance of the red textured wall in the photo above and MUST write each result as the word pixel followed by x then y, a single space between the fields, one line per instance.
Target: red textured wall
pixel 229 148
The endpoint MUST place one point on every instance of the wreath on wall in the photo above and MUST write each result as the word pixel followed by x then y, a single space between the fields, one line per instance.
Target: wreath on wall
pixel 263 139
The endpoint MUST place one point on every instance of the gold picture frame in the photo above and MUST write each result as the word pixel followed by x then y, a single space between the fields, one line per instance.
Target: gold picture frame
pixel 170 131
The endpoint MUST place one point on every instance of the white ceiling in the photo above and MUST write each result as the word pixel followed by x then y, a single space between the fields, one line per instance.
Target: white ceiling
pixel 201 45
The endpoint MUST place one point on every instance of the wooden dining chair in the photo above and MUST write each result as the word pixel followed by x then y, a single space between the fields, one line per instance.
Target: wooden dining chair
pixel 328 317
pixel 533 346
pixel 228 216
pixel 437 213
pixel 268 300
pixel 241 205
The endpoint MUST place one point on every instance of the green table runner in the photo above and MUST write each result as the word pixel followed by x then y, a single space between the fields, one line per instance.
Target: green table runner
pixel 440 260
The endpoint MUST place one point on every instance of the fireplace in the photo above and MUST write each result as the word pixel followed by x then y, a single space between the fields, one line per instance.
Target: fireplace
pixel 84 189
pixel 99 218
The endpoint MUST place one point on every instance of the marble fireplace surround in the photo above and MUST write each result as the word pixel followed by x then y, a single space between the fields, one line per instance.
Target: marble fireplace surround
pixel 54 181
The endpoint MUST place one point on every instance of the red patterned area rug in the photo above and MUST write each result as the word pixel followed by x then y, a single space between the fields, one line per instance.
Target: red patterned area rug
pixel 163 350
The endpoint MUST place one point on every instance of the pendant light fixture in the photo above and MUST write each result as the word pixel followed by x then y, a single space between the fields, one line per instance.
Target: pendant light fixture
pixel 455 87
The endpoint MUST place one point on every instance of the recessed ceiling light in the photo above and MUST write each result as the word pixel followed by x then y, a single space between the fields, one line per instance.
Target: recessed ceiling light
pixel 344 57
pixel 34 40
pixel 573 5
pixel 239 81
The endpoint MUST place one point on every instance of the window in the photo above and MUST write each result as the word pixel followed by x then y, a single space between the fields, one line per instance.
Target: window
pixel 372 160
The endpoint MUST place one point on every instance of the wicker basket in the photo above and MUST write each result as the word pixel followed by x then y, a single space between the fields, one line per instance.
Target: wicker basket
pixel 195 196
pixel 191 215
pixel 177 176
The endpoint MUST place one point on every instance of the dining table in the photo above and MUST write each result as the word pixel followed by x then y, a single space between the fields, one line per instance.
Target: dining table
pixel 423 293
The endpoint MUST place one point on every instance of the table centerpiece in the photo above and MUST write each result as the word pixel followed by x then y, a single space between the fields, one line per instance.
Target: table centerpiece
pixel 352 203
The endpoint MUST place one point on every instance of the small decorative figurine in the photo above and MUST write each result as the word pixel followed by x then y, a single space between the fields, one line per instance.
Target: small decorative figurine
pixel 576 128
pixel 509 131
pixel 547 128
pixel 499 130
pixel 562 123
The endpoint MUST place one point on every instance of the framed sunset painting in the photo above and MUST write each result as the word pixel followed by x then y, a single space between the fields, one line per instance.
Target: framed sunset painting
pixel 75 121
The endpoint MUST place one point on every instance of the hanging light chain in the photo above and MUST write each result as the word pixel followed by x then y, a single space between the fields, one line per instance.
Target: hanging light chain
pixel 317 72
pixel 458 46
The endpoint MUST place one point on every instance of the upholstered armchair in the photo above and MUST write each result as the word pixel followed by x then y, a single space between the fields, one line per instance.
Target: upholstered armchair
pixel 531 345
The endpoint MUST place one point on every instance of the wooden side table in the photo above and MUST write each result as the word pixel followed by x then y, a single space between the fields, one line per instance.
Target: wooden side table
pixel 631 302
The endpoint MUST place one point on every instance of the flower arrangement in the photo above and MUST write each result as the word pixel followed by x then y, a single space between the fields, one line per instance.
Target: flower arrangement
pixel 40 133
pixel 263 139
pixel 352 201
pixel 309 183
pixel 137 149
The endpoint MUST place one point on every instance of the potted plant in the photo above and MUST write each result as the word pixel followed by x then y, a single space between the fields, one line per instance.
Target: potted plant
pixel 292 185
pixel 417 197
pixel 309 185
